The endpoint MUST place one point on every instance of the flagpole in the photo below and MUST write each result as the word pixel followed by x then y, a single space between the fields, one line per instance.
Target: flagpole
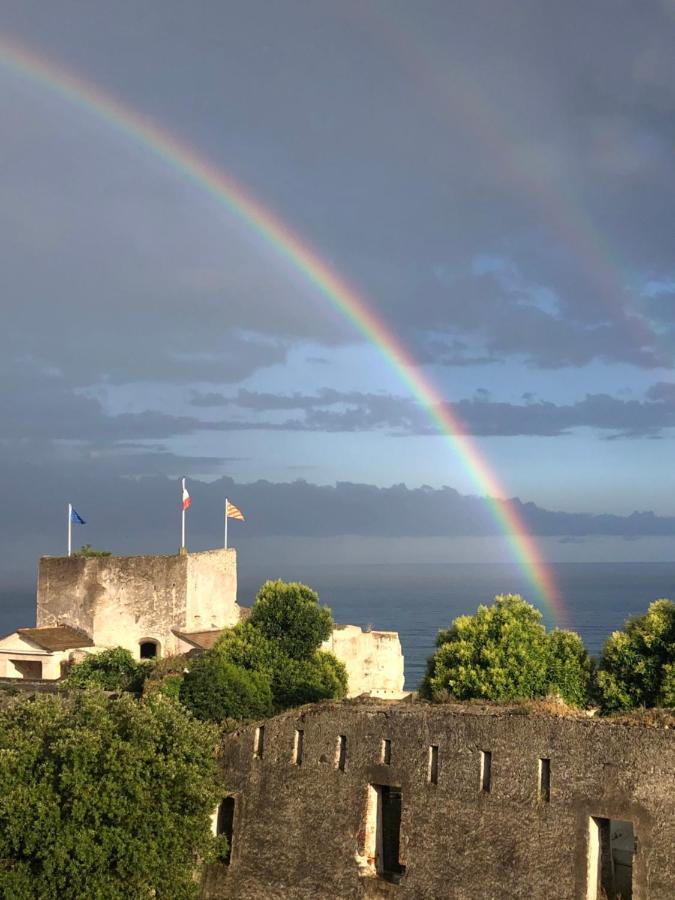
pixel 182 524
pixel 226 523
pixel 70 528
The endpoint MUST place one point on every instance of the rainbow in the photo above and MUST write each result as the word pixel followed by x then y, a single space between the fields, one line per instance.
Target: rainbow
pixel 464 101
pixel 300 255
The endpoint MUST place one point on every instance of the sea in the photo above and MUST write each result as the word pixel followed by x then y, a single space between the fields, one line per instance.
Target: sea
pixel 418 600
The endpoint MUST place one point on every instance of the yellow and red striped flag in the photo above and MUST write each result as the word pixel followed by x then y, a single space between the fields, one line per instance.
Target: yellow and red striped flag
pixel 232 511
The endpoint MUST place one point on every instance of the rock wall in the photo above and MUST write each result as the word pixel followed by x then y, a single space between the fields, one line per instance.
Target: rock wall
pixel 374 660
pixel 121 601
pixel 302 828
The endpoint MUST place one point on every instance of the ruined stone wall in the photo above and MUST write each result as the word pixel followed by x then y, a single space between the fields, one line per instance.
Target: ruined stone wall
pixel 299 829
pixel 121 601
pixel 374 660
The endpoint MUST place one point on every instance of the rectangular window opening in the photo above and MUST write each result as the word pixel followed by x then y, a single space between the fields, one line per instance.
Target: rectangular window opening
pixel 611 849
pixel 485 771
pixel 385 755
pixel 545 780
pixel 259 742
pixel 298 742
pixel 341 753
pixel 432 773
pixel 223 823
pixel 383 832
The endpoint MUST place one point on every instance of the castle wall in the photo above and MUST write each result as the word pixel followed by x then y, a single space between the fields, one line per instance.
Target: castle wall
pixel 121 601
pixel 301 831
pixel 374 660
pixel 211 590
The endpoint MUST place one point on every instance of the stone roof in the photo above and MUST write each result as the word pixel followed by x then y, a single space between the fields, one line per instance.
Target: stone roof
pixel 56 637
pixel 204 640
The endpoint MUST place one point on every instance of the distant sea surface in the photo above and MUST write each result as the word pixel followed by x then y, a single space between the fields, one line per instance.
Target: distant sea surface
pixel 417 600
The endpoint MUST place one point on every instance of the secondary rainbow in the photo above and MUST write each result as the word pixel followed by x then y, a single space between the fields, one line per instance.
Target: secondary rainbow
pixel 329 284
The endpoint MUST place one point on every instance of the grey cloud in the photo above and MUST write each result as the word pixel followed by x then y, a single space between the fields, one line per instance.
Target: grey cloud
pixel 331 410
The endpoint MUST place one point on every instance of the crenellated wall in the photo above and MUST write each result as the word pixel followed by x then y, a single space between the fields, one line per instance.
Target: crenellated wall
pixel 304 829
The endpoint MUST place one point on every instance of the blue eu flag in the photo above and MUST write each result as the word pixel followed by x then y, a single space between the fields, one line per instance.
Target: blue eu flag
pixel 75 517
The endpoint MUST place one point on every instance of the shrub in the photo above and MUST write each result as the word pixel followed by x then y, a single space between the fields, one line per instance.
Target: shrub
pixel 503 653
pixel 289 614
pixel 166 676
pixel 90 552
pixel 215 689
pixel 299 681
pixel 569 667
pixel 110 670
pixel 636 666
pixel 104 798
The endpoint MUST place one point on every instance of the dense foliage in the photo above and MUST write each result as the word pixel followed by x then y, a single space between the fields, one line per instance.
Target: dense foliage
pixel 104 798
pixel 215 689
pixel 504 653
pixel 110 670
pixel 290 615
pixel 637 664
pixel 270 663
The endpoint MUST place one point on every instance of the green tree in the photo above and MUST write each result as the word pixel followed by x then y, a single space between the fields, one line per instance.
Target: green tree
pixel 280 642
pixel 637 664
pixel 289 614
pixel 104 798
pixel 504 653
pixel 215 689
pixel 110 670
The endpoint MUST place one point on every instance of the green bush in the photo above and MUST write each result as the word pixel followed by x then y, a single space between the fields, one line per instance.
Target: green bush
pixel 90 552
pixel 166 676
pixel 299 681
pixel 289 614
pixel 569 667
pixel 104 798
pixel 504 653
pixel 637 664
pixel 215 689
pixel 110 670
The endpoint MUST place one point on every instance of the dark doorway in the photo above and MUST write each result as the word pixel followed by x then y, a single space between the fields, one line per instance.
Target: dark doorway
pixel 149 650
pixel 390 817
pixel 225 825
pixel 612 848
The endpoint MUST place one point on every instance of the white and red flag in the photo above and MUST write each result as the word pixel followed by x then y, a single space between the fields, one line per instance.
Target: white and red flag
pixel 187 500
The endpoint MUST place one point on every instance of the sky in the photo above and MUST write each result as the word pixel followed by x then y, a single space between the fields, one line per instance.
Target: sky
pixel 494 180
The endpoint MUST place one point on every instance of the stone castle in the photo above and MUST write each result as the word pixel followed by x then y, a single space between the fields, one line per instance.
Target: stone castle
pixel 160 606
pixel 406 799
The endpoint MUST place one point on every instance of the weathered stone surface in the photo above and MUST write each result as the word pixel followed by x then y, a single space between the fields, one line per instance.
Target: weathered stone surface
pixel 374 660
pixel 122 601
pixel 299 829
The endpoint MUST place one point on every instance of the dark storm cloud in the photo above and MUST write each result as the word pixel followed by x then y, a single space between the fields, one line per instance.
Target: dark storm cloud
pixel 331 410
pixel 399 142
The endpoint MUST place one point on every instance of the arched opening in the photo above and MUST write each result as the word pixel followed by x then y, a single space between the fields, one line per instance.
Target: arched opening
pixel 149 649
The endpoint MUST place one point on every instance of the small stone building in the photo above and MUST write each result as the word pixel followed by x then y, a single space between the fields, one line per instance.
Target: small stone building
pixel 365 799
pixel 160 606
